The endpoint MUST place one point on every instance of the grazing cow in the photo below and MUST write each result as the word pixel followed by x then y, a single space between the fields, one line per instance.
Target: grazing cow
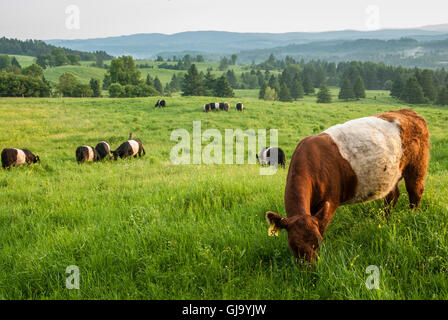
pixel 86 154
pixel 355 162
pixel 239 106
pixel 103 150
pixel 160 103
pixel 214 106
pixel 207 107
pixel 17 157
pixel 265 157
pixel 129 148
pixel 224 106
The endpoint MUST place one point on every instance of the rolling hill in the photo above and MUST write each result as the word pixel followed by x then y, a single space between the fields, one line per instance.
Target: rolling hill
pixel 218 42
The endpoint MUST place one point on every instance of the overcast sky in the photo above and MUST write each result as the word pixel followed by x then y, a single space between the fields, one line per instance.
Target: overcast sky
pixel 47 19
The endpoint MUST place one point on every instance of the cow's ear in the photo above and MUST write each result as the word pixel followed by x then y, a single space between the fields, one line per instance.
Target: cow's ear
pixel 277 220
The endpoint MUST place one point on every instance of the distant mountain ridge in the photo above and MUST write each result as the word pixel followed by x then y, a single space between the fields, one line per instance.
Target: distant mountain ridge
pixel 224 43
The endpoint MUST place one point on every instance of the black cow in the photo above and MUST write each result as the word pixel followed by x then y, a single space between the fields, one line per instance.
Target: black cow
pixel 239 106
pixel 264 158
pixel 207 107
pixel 214 106
pixel 87 154
pixel 103 150
pixel 129 148
pixel 17 157
pixel 160 103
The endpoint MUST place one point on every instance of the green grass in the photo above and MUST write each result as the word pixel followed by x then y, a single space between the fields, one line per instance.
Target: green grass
pixel 82 73
pixel 146 229
pixel 24 61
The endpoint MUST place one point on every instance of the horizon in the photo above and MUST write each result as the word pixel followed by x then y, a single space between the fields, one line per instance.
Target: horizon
pixel 82 19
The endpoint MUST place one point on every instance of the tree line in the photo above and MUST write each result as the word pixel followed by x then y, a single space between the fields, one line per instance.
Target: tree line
pixel 36 48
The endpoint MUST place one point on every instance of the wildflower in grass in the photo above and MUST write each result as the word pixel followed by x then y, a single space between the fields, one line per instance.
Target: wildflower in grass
pixel 379 226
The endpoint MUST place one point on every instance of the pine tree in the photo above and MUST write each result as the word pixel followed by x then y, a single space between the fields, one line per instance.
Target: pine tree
pixel 413 92
pixel 397 88
pixel 297 91
pixel 442 98
pixel 346 92
pixel 262 90
pixel 158 85
pixel 95 86
pixel 427 84
pixel 223 88
pixel 149 80
pixel 191 85
pixel 308 86
pixel 359 89
pixel 323 96
pixel 284 94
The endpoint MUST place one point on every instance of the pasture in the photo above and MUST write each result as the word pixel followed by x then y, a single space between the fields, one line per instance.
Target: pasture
pixel 147 229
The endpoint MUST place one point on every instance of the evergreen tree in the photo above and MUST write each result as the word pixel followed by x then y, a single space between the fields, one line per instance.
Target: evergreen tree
pixel 209 83
pixel 413 92
pixel 95 86
pixel 308 86
pixel 158 85
pixel 274 84
pixel 191 85
pixel 427 84
pixel 262 90
pixel 223 88
pixel 16 63
pixel 323 96
pixel 230 75
pixel 442 98
pixel 149 80
pixel 284 94
pixel 397 88
pixel 346 92
pixel 297 91
pixel 359 89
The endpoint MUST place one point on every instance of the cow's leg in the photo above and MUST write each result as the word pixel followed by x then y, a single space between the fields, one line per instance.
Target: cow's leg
pixel 414 178
pixel 391 200
pixel 324 215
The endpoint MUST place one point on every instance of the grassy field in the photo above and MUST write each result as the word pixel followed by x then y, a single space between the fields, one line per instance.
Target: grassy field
pixel 147 229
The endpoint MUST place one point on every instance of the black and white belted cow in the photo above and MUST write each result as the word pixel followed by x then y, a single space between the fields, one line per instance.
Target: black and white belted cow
pixel 86 154
pixel 239 106
pixel 103 149
pixel 129 148
pixel 214 106
pixel 272 156
pixel 160 103
pixel 224 106
pixel 17 157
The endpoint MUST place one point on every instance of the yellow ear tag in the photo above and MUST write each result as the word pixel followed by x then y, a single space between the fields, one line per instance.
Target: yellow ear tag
pixel 272 231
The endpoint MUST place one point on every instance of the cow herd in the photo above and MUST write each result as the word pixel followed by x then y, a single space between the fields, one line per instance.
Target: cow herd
pixel 224 106
pixel 356 162
pixel 130 148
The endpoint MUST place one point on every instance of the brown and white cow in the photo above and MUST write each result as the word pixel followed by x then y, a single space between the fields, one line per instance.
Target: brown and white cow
pixel 355 162
pixel 129 148
pixel 17 157
pixel 87 154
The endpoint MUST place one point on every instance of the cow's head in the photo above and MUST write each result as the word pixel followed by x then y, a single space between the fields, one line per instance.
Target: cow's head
pixel 36 159
pixel 115 154
pixel 304 233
